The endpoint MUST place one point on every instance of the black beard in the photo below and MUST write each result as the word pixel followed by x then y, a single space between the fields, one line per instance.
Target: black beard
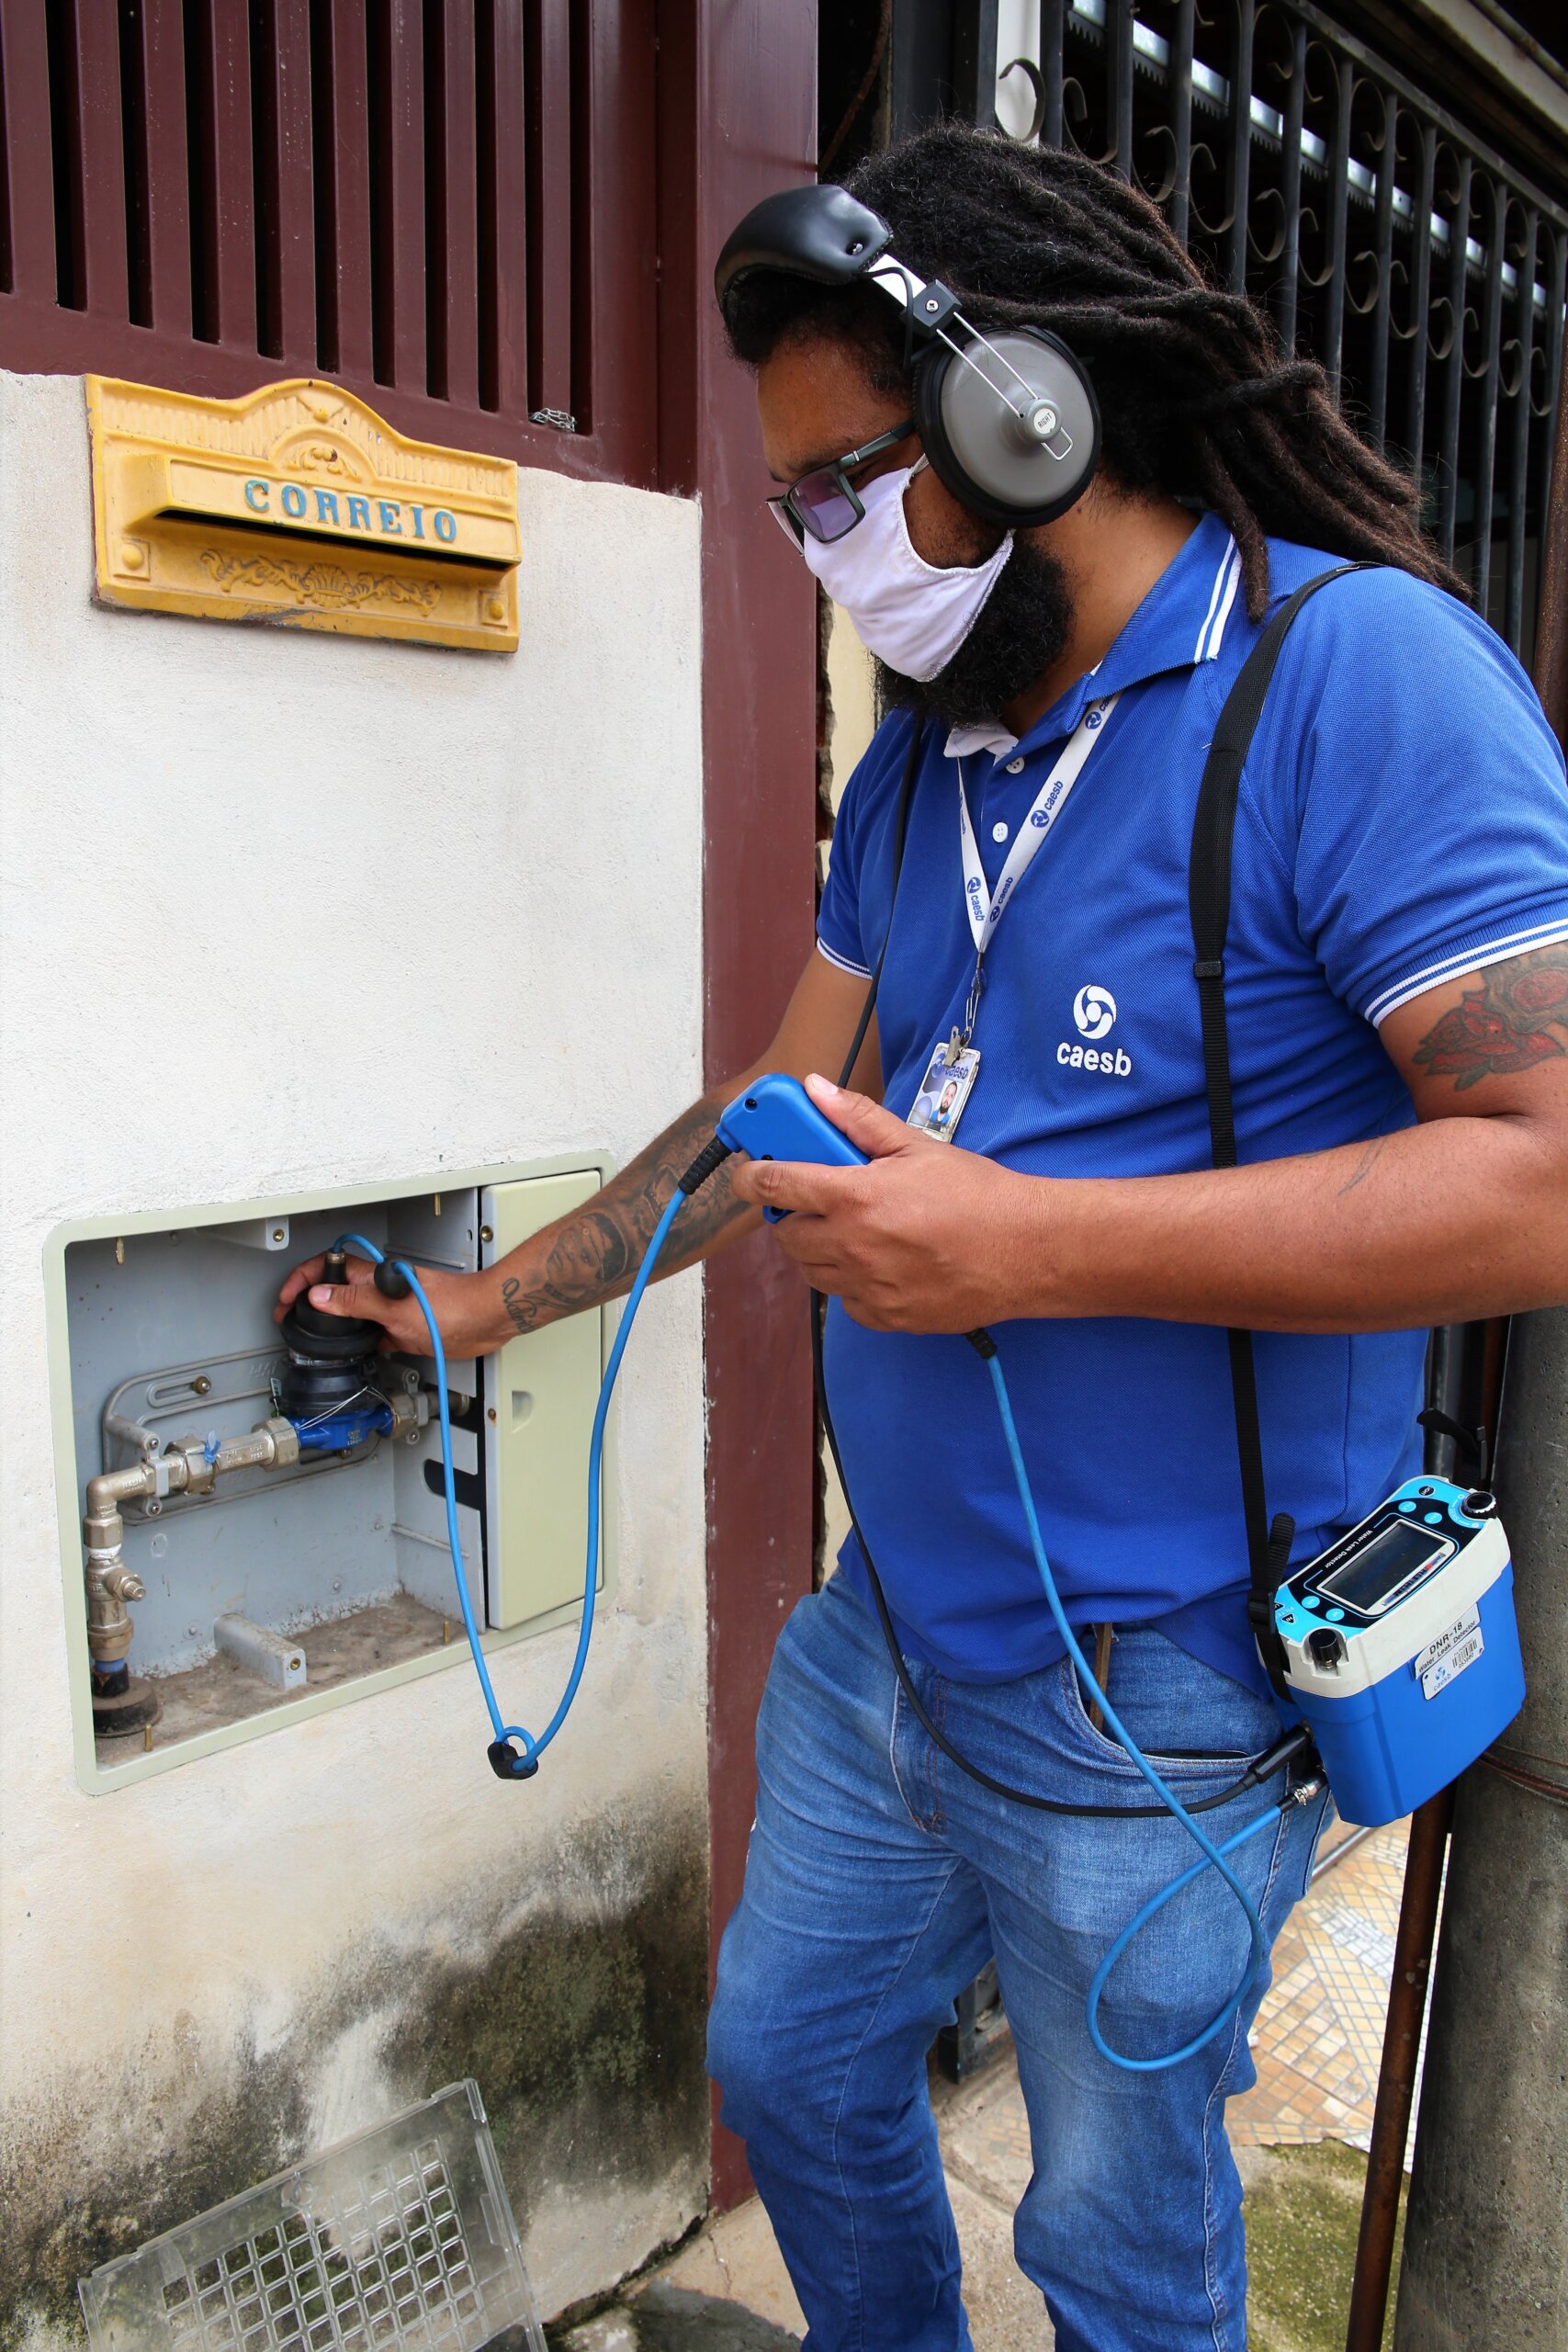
pixel 1023 629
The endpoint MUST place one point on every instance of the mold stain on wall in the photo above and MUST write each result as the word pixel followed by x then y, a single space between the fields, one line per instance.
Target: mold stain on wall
pixel 581 2019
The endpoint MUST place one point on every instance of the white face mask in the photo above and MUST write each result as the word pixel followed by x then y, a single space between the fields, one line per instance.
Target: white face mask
pixel 912 614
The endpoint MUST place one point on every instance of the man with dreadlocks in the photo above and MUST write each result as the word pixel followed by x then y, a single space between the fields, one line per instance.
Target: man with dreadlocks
pixel 1397 955
pixel 1396 976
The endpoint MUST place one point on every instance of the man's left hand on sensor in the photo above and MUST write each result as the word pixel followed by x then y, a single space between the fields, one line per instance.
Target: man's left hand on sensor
pixel 918 1241
pixel 464 1305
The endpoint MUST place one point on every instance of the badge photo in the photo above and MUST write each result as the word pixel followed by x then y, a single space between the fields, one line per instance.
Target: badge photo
pixel 943 1091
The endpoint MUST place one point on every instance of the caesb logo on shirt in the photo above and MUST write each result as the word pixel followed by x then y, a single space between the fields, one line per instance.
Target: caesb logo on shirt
pixel 1094 1015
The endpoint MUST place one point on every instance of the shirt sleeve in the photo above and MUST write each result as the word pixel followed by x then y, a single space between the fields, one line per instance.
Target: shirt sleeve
pixel 839 933
pixel 1431 815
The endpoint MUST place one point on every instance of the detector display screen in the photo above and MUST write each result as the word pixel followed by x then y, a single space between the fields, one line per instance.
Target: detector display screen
pixel 1395 1562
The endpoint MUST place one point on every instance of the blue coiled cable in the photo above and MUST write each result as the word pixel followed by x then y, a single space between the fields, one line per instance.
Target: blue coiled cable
pixel 520 1762
pixel 1213 1856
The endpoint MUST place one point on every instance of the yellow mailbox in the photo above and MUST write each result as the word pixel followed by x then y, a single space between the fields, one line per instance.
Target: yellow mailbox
pixel 299 504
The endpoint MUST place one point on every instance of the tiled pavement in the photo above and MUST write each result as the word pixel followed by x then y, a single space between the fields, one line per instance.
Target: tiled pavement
pixel 1317 2046
pixel 1318 2038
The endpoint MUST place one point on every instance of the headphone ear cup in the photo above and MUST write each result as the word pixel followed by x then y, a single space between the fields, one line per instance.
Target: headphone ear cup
pixel 978 445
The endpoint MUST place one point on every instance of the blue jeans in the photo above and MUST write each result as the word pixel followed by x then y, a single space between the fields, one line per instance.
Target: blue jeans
pixel 881 1878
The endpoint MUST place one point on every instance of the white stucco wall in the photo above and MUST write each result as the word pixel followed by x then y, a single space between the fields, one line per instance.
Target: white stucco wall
pixel 285 909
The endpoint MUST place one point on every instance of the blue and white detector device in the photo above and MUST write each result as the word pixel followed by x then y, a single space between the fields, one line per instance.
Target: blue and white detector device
pixel 1402 1649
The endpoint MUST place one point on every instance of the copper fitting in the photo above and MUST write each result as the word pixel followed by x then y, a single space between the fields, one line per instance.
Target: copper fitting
pixel 186 1468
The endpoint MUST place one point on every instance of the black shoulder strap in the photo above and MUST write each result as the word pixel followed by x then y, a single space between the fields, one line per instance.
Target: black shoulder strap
pixel 900 837
pixel 1209 897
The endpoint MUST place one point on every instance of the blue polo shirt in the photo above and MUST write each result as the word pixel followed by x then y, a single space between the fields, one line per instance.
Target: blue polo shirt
pixel 1403 819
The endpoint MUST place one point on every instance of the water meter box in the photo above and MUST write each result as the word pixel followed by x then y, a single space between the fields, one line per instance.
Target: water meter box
pixel 1402 1648
pixel 293 1586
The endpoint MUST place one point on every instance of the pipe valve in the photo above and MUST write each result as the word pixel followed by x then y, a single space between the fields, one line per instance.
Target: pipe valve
pixel 123 1702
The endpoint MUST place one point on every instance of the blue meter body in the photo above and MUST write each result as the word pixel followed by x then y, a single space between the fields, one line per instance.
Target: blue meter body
pixel 1402 1648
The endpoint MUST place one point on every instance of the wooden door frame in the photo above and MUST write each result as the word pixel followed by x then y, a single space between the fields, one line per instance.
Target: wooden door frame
pixel 738 119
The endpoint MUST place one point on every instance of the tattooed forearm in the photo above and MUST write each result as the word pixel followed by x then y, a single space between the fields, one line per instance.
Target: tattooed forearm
pixel 594 1255
pixel 1517 1017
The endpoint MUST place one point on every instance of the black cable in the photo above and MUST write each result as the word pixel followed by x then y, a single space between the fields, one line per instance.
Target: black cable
pixel 1260 1767
pixel 900 834
pixel 713 1155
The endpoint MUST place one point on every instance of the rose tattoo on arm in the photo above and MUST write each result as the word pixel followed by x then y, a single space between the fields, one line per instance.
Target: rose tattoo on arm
pixel 1517 1017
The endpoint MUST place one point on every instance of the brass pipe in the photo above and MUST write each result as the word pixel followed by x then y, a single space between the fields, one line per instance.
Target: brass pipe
pixel 183 1469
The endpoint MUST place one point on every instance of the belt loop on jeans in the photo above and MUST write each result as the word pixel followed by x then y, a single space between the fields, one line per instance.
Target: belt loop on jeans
pixel 1103 1637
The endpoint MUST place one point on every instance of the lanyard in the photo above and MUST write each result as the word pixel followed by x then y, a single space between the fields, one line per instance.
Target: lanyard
pixel 986 911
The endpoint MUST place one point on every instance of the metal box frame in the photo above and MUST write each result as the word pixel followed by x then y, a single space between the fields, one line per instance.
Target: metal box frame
pixel 97 1779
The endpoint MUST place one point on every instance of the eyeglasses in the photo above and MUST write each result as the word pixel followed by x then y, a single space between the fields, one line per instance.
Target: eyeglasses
pixel 824 504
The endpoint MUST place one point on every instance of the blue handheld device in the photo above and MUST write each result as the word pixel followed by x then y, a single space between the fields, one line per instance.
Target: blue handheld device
pixel 776 1119
pixel 1402 1648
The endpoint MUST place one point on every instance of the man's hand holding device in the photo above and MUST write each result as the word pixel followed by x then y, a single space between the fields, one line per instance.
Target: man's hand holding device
pixel 916 1239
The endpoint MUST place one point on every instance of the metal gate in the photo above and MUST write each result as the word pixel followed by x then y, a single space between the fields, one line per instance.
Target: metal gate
pixel 1424 271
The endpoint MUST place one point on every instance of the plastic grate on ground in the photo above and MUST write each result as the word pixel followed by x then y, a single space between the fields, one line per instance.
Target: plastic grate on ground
pixel 388 2265
pixel 401 2240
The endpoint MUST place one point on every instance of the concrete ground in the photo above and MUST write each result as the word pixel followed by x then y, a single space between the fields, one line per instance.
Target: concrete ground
pixel 1298 2137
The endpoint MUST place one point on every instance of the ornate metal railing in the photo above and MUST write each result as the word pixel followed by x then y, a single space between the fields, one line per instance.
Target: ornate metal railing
pixel 1422 268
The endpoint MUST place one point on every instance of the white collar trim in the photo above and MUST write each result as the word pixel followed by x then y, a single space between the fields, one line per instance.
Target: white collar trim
pixel 991 736
pixel 1227 579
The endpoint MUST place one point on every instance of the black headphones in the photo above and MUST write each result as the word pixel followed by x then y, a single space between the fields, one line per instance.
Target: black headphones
pixel 1008 420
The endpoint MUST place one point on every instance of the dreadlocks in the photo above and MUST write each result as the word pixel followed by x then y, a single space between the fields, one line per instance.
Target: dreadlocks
pixel 1196 396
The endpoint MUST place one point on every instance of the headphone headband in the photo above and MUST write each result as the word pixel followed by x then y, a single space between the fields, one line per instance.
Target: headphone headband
pixel 826 235
pixel 817 232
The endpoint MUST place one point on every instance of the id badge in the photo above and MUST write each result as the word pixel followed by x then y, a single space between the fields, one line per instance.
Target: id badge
pixel 944 1090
